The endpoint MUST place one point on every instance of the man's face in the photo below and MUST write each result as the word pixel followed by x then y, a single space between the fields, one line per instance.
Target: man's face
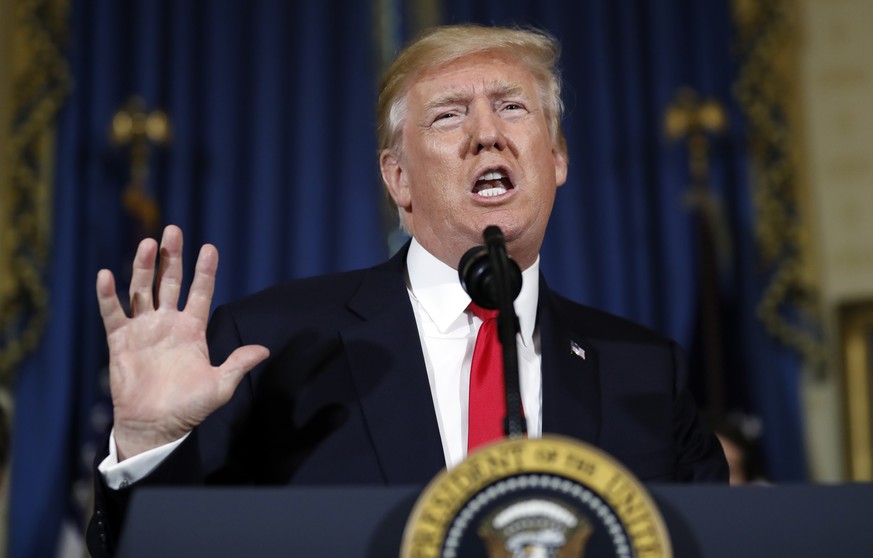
pixel 475 151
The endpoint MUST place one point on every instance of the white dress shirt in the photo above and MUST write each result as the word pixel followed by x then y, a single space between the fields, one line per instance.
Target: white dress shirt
pixel 448 335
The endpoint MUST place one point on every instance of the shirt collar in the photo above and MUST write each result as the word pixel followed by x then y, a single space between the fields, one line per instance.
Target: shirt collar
pixel 439 292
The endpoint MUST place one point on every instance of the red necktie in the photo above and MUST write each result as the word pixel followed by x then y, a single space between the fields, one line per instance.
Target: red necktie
pixel 487 407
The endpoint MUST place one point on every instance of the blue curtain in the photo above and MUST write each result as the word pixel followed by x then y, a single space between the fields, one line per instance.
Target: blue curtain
pixel 622 236
pixel 273 160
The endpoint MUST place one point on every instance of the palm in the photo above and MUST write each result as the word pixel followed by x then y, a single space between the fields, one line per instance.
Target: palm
pixel 159 367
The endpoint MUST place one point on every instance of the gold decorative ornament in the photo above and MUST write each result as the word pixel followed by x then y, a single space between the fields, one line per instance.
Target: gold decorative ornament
pixel 135 128
pixel 767 43
pixel 40 81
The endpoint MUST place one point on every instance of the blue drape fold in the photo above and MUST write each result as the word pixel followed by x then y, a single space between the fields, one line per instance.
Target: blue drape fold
pixel 622 236
pixel 272 160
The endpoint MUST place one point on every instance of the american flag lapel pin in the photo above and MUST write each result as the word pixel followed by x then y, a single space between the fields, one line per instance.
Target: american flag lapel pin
pixel 575 349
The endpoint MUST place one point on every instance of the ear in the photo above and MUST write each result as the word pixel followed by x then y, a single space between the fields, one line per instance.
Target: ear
pixel 560 156
pixel 395 178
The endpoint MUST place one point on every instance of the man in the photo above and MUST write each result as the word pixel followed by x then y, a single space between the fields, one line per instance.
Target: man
pixel 363 377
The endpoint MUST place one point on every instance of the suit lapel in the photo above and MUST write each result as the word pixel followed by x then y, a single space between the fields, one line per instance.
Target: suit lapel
pixel 387 365
pixel 571 379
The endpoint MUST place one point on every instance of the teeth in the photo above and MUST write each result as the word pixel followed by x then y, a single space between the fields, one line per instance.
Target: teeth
pixel 493 175
pixel 490 192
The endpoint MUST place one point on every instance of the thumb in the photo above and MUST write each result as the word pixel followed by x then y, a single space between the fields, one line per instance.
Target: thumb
pixel 239 363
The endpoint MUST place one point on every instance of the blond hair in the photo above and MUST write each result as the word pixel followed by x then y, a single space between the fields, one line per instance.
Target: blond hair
pixel 537 50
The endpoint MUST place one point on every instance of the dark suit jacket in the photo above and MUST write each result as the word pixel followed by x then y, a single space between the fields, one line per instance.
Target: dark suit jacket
pixel 345 399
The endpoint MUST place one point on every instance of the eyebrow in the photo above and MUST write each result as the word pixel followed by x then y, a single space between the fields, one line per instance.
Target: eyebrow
pixel 494 90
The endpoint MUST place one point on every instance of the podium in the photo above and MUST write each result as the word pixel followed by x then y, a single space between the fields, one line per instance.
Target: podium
pixel 704 521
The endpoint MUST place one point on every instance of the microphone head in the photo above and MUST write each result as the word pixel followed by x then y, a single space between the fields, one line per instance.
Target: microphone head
pixel 478 277
pixel 493 236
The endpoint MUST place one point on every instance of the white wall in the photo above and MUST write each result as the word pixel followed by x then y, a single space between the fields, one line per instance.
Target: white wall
pixel 836 72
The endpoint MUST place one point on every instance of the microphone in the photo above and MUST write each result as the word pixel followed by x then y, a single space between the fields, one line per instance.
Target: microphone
pixel 480 278
pixel 493 281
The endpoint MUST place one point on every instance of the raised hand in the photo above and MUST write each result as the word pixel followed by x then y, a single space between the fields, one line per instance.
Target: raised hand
pixel 162 382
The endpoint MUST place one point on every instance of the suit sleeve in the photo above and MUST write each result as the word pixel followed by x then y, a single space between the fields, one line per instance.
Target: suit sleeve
pixel 699 454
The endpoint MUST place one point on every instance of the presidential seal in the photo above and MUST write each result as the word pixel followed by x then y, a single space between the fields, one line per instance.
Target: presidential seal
pixel 552 497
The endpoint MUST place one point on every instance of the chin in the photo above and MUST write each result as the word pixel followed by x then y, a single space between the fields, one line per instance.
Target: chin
pixel 514 232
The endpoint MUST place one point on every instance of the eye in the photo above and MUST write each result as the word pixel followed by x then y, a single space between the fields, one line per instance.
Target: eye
pixel 447 119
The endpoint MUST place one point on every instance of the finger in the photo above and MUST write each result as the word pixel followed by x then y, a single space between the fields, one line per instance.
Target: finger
pixel 110 308
pixel 203 285
pixel 170 270
pixel 238 365
pixel 142 277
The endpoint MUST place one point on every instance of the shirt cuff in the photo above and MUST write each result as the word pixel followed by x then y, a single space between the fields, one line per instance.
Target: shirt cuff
pixel 120 475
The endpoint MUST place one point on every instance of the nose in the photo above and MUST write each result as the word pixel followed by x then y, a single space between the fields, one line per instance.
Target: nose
pixel 485 130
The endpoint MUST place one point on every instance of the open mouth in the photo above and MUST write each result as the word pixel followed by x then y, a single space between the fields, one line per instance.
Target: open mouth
pixel 492 183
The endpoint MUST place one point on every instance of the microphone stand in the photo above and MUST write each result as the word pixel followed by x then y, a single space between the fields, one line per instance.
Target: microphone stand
pixel 514 425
